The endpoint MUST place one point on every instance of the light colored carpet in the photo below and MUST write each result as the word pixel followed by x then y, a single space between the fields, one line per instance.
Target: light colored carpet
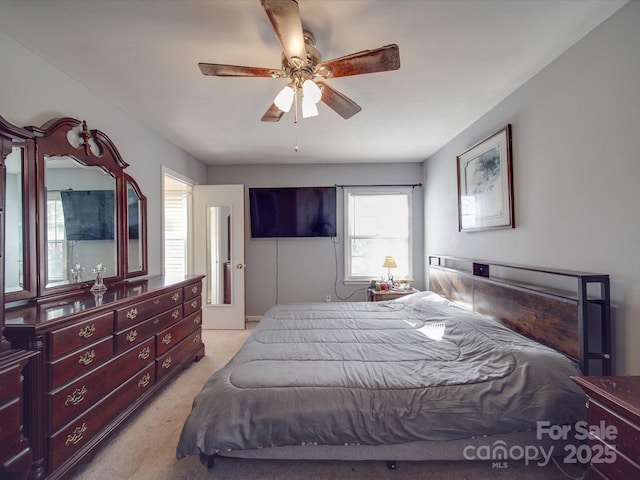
pixel 144 449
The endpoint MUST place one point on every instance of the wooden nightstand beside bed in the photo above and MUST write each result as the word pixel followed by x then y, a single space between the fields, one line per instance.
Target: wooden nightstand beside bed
pixel 613 411
pixel 381 295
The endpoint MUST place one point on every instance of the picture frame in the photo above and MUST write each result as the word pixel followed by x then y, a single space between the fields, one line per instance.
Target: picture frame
pixel 485 184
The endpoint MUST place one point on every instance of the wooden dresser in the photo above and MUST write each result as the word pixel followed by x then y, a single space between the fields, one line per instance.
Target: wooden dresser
pixel 15 453
pixel 101 359
pixel 613 406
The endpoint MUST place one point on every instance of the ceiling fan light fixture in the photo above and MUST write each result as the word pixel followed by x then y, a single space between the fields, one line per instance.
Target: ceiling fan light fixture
pixel 309 108
pixel 284 99
pixel 311 91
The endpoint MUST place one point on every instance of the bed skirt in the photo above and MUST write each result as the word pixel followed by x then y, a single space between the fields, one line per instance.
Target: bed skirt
pixel 520 446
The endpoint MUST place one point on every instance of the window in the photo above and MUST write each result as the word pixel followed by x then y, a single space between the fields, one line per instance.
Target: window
pixel 176 228
pixel 56 241
pixel 377 224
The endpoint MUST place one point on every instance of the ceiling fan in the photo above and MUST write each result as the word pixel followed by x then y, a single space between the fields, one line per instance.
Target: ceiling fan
pixel 301 63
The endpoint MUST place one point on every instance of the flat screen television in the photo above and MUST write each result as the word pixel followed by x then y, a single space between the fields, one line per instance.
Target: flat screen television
pixel 88 214
pixel 293 212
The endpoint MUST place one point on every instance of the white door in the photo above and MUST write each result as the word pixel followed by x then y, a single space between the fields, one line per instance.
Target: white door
pixel 218 230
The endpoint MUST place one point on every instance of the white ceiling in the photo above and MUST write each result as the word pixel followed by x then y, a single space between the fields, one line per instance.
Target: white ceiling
pixel 459 58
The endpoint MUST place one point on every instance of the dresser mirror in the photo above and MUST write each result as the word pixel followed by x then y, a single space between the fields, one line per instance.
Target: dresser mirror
pixel 92 213
pixel 81 221
pixel 14 237
pixel 136 229
pixel 19 212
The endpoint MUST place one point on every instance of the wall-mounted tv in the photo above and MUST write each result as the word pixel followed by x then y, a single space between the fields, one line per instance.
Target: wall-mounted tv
pixel 293 212
pixel 88 214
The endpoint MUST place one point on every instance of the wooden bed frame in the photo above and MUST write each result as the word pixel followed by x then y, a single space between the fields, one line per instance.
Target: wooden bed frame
pixel 576 322
pixel 556 317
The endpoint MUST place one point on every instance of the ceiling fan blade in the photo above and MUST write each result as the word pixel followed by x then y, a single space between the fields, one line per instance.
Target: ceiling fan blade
pixel 287 25
pixel 273 114
pixel 221 70
pixel 342 105
pixel 368 61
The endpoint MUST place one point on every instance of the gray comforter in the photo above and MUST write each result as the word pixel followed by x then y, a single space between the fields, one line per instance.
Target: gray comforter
pixel 417 368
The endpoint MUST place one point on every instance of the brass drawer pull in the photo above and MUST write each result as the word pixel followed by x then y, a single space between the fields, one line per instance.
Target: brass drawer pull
pixel 87 331
pixel 197 320
pixel 133 313
pixel 194 289
pixel 194 304
pixel 144 381
pixel 156 301
pixel 175 297
pixel 196 339
pixel 167 363
pixel 76 397
pixel 156 321
pixel 87 357
pixel 144 353
pixel 76 436
pixel 131 336
pixel 175 314
pixel 166 340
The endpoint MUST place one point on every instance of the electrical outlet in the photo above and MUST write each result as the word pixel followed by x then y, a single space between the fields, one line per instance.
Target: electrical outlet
pixel 327 298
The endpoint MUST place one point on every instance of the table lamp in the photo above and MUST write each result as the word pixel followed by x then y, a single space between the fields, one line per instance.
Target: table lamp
pixel 389 263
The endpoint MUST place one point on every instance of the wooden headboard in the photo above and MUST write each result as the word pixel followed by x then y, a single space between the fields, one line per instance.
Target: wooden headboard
pixel 576 322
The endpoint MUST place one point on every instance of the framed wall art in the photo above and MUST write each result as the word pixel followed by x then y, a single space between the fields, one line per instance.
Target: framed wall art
pixel 485 184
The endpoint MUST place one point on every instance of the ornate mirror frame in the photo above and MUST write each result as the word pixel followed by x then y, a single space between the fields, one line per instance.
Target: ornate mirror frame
pixel 69 137
pixel 12 138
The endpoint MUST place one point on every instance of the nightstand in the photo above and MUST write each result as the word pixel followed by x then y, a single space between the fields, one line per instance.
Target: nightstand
pixel 381 295
pixel 613 410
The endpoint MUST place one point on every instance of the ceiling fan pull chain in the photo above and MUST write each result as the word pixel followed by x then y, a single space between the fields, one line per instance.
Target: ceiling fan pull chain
pixel 295 118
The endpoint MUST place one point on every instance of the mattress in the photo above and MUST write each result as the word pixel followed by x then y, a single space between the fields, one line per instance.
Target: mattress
pixel 418 368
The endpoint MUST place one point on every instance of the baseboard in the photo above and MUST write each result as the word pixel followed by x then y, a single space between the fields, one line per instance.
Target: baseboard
pixel 253 318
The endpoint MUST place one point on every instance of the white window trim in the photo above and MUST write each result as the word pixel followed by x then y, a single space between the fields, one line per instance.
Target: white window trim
pixel 347 280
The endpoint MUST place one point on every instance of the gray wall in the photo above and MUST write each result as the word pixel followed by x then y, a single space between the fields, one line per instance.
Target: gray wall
pixel 576 160
pixel 32 92
pixel 306 268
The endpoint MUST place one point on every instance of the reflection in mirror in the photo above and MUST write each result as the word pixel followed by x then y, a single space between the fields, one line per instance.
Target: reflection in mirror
pixel 81 221
pixel 219 269
pixel 14 240
pixel 134 216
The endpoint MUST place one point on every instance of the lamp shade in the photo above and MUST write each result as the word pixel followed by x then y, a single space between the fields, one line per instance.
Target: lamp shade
pixel 309 108
pixel 311 91
pixel 284 99
pixel 389 262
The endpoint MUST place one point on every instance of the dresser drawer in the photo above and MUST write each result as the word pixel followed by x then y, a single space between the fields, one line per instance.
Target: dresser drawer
pixel 126 339
pixel 627 434
pixel 10 423
pixel 168 318
pixel 75 436
pixel 74 398
pixel 191 291
pixel 79 335
pixel 622 468
pixel 127 316
pixel 192 305
pixel 80 362
pixel 174 357
pixel 10 383
pixel 170 337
